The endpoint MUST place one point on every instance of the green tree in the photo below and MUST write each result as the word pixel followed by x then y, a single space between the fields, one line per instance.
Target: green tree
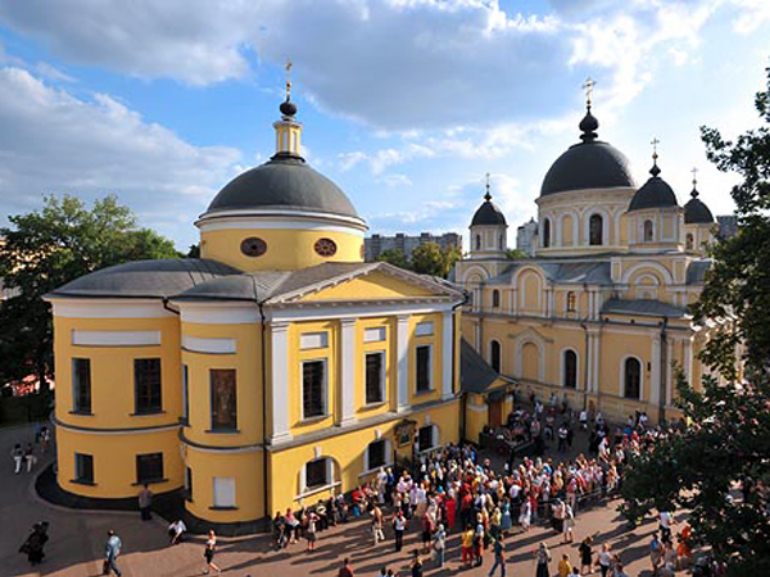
pixel 514 253
pixel 429 258
pixel 728 440
pixel 395 257
pixel 48 248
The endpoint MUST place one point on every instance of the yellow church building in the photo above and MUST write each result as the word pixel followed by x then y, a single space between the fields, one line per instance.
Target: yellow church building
pixel 275 370
pixel 599 314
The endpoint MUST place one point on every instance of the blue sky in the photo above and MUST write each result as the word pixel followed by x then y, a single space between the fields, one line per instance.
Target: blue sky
pixel 406 103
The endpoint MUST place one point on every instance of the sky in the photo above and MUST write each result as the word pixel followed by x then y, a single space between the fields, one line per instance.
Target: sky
pixel 406 104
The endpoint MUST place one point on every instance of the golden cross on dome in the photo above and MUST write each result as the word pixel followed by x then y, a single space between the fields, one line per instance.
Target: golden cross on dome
pixel 288 79
pixel 655 142
pixel 487 196
pixel 588 86
pixel 694 176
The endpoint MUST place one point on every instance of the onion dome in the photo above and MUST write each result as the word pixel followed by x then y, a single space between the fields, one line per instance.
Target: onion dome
pixel 655 193
pixel 696 211
pixel 591 163
pixel 288 108
pixel 488 214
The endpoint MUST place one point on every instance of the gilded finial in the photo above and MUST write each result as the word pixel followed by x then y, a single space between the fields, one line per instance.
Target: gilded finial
pixel 694 192
pixel 655 171
pixel 288 78
pixel 488 195
pixel 588 86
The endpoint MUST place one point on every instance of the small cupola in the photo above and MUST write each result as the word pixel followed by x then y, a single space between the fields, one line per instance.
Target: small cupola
pixel 698 221
pixel 488 229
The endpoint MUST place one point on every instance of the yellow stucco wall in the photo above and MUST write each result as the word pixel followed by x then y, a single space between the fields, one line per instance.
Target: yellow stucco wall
pixel 375 285
pixel 286 249
pixel 387 347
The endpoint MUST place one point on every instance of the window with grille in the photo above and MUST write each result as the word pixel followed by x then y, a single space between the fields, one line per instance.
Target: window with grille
pixel 313 389
pixel 375 365
pixel 224 405
pixel 376 454
pixel 81 385
pixel 570 370
pixel 633 377
pixel 315 474
pixel 571 302
pixel 495 298
pixel 423 368
pixel 149 468
pixel 147 386
pixel 426 438
pixel 84 468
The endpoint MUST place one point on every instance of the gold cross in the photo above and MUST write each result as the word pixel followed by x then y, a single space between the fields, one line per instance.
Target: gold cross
pixel 487 195
pixel 588 86
pixel 288 79
pixel 694 176
pixel 655 142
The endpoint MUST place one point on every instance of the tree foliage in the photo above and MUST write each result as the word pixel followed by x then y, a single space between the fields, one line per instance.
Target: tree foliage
pixel 395 257
pixel 728 439
pixel 429 258
pixel 514 253
pixel 46 249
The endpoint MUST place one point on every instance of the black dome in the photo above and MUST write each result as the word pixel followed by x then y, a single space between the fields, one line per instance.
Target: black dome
pixel 285 182
pixel 656 193
pixel 589 164
pixel 488 214
pixel 696 211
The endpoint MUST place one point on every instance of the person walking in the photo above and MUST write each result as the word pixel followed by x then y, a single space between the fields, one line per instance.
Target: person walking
pixel 439 544
pixel 18 457
pixel 565 567
pixel 176 531
pixel 605 559
pixel 209 552
pixel 568 523
pixel 346 570
pixel 399 525
pixel 377 522
pixel 586 555
pixel 111 553
pixel 33 546
pixel 499 550
pixel 29 457
pixel 145 502
pixel 656 553
pixel 542 558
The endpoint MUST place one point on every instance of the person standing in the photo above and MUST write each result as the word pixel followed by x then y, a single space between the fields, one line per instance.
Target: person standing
pixel 377 520
pixel 399 524
pixel 111 553
pixel 33 546
pixel 665 526
pixel 311 531
pixel 209 552
pixel 605 559
pixel 656 553
pixel 439 544
pixel 346 570
pixel 145 502
pixel 467 545
pixel 417 565
pixel 542 557
pixel 568 523
pixel 18 457
pixel 499 550
pixel 427 531
pixel 29 457
pixel 586 555
pixel 565 567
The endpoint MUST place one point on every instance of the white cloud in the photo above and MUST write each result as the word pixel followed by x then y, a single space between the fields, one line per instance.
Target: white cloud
pixel 394 64
pixel 52 142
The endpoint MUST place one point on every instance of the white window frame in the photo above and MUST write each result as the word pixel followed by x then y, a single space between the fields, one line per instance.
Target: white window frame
pixel 304 491
pixel 368 470
pixel 325 387
pixel 642 368
pixel 226 483
pixel 383 377
pixel 375 334
pixel 491 341
pixel 434 437
pixel 76 385
pixel 424 329
pixel 430 388
pixel 314 340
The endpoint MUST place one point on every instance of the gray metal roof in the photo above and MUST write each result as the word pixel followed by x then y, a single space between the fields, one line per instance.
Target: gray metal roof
pixel 655 193
pixel 592 164
pixel 285 182
pixel 696 211
pixel 595 273
pixel 696 271
pixel 488 214
pixel 475 373
pixel 643 307
pixel 145 279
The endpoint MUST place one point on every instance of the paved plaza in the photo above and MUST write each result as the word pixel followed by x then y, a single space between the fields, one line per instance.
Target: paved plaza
pixel 77 539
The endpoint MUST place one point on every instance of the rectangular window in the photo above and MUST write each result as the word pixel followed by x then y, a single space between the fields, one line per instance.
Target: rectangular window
pixel 426 438
pixel 149 468
pixel 84 468
pixel 423 368
pixel 376 454
pixel 313 389
pixel 147 387
pixel 185 395
pixel 81 385
pixel 224 492
pixel 224 406
pixel 188 484
pixel 313 341
pixel 375 372
pixel 315 474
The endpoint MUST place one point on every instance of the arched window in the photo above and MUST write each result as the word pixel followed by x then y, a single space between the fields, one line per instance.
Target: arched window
pixel 690 241
pixel 596 230
pixel 546 233
pixel 495 298
pixel 570 370
pixel 571 301
pixel 632 373
pixel 647 231
pixel 494 355
pixel 501 242
pixel 478 242
pixel 378 454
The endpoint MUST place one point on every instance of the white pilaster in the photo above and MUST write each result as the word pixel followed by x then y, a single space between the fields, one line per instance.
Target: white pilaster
pixel 402 353
pixel 597 352
pixel 447 327
pixel 655 373
pixel 669 372
pixel 687 360
pixel 348 371
pixel 279 385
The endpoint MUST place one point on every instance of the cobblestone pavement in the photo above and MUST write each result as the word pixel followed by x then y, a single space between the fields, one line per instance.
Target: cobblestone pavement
pixel 77 539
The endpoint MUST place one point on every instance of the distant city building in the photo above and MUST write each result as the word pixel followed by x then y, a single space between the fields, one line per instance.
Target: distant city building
pixel 377 243
pixel 526 237
pixel 728 225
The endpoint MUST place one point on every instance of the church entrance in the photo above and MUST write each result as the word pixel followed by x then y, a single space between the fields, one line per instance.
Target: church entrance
pixel 495 413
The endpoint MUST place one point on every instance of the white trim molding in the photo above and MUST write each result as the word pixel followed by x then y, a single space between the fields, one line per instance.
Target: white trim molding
pixel 402 359
pixel 279 393
pixel 447 328
pixel 115 338
pixel 108 308
pixel 563 367
pixel 214 346
pixel 622 393
pixel 347 370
